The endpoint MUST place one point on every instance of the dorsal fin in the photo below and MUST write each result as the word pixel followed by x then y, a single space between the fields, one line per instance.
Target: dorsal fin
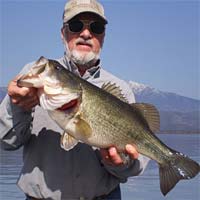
pixel 113 89
pixel 150 114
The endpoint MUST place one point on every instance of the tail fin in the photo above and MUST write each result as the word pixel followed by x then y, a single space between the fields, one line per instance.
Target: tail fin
pixel 179 167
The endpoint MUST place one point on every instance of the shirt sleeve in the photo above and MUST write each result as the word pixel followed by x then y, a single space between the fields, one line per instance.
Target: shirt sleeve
pixel 133 168
pixel 15 123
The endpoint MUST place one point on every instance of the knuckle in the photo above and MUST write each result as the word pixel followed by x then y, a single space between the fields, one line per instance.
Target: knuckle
pixel 14 101
pixel 131 149
pixel 112 152
pixel 23 92
pixel 11 91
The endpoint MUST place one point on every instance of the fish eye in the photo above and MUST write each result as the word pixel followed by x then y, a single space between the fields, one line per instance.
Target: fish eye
pixel 57 67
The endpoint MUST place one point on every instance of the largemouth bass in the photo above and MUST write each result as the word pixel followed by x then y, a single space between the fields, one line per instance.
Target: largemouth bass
pixel 102 117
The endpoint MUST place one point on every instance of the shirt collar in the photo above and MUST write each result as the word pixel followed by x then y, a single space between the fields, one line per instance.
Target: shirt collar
pixel 91 72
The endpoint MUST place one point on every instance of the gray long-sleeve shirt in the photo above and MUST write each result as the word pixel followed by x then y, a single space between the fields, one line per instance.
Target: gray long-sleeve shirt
pixel 49 171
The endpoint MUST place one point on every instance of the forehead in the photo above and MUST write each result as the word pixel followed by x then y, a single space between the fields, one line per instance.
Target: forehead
pixel 87 16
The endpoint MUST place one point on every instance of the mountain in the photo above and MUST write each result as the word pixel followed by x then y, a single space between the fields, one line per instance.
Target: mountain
pixel 177 113
pixel 164 101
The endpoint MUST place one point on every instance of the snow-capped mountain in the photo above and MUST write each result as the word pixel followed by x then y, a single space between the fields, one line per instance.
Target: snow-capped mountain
pixel 165 101
pixel 141 88
pixel 176 112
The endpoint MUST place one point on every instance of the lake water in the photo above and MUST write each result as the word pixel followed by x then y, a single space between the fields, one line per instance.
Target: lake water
pixel 145 187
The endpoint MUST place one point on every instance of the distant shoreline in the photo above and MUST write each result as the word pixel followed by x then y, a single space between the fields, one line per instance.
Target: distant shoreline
pixel 179 132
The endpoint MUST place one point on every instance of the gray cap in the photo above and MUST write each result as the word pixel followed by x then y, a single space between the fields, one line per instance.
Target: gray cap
pixel 75 7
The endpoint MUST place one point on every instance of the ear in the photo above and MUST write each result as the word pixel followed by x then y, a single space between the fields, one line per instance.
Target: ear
pixel 63 34
pixel 102 41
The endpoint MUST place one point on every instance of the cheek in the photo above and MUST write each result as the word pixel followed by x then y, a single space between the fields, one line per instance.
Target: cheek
pixel 71 43
pixel 70 40
pixel 97 44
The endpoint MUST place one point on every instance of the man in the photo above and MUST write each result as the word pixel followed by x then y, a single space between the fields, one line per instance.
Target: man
pixel 49 172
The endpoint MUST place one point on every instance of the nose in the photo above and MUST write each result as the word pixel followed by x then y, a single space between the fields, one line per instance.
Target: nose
pixel 86 34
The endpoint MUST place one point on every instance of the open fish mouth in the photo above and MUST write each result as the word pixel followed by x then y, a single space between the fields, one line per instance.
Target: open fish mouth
pixel 68 105
pixel 27 80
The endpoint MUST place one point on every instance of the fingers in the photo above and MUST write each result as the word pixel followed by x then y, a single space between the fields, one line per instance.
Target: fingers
pixel 28 103
pixel 112 157
pixel 22 94
pixel 132 151
pixel 24 97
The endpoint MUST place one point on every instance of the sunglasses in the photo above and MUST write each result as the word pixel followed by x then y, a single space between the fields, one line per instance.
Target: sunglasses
pixel 76 26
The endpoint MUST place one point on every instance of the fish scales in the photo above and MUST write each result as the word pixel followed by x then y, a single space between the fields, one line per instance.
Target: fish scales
pixel 113 127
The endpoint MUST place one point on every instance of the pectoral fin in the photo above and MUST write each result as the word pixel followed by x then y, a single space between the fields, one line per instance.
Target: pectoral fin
pixel 79 128
pixel 68 142
pixel 82 127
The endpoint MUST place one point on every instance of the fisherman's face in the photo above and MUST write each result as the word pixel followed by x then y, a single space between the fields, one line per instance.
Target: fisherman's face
pixel 83 47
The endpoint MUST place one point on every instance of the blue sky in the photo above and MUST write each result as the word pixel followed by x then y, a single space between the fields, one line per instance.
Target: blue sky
pixel 154 42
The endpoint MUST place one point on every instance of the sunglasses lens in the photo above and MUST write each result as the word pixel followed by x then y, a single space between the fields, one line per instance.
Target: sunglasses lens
pixel 76 26
pixel 97 27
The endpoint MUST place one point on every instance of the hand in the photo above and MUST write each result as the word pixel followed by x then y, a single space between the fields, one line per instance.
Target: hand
pixel 24 97
pixel 112 157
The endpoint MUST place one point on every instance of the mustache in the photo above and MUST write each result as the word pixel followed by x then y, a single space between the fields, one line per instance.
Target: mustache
pixel 82 41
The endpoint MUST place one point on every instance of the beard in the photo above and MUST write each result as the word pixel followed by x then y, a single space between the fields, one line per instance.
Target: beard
pixel 85 60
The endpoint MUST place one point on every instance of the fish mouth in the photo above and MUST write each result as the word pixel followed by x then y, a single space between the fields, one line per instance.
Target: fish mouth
pixel 30 80
pixel 73 103
pixel 25 80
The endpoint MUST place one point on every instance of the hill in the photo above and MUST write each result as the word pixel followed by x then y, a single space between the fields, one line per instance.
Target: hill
pixel 177 113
